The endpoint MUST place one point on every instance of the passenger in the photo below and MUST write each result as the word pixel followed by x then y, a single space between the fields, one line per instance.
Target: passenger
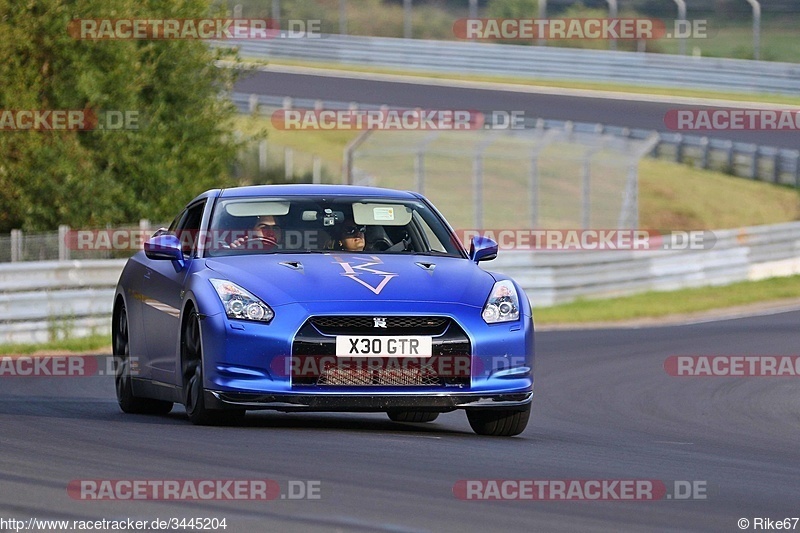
pixel 351 237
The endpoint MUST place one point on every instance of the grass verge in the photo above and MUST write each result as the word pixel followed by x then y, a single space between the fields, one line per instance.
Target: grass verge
pixel 661 304
pixel 95 343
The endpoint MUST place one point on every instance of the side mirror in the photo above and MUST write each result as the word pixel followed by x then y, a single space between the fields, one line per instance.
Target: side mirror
pixel 482 249
pixel 164 247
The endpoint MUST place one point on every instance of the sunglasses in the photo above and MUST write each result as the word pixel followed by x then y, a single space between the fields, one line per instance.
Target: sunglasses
pixel 352 230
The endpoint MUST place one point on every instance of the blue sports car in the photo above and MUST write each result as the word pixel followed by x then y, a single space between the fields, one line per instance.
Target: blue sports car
pixel 321 298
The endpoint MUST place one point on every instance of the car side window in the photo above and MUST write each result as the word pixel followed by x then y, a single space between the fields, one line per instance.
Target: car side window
pixel 187 228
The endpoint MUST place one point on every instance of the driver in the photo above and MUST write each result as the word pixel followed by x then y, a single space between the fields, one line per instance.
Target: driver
pixel 265 234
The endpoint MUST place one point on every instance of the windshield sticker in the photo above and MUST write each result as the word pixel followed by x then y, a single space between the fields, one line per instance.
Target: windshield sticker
pixel 383 213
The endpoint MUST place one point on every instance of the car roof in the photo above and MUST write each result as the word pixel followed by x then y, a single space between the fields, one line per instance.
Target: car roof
pixel 316 190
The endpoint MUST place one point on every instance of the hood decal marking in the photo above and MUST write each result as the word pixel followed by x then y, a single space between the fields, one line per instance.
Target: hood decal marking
pixel 354 271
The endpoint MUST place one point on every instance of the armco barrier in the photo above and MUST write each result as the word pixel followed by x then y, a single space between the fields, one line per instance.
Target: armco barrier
pixel 547 63
pixel 738 255
pixel 46 299
pixel 41 301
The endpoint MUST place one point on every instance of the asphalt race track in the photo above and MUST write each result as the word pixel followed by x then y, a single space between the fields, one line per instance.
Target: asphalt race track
pixel 632 114
pixel 604 408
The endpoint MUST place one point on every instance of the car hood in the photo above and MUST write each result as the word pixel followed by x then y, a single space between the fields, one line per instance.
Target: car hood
pixel 281 279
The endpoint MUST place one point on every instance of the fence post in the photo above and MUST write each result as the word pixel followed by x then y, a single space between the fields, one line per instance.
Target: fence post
pixel 16 245
pixel 262 156
pixel 797 170
pixel 776 167
pixel 407 19
pixel 547 137
pixel 679 148
pixel 419 172
pixel 756 28
pixel 288 163
pixel 316 173
pixel 533 190
pixel 704 146
pixel 681 17
pixel 342 17
pixel 252 104
pixel 144 230
pixel 730 157
pixel 586 192
pixel 350 154
pixel 276 11
pixel 754 163
pixel 477 178
pixel 612 14
pixel 473 12
pixel 541 41
pixel 477 189
pixel 63 249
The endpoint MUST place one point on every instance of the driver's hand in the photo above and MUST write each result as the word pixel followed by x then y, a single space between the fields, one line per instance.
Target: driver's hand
pixel 238 243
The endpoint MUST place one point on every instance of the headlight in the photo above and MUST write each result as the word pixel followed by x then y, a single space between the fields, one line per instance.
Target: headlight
pixel 240 304
pixel 502 305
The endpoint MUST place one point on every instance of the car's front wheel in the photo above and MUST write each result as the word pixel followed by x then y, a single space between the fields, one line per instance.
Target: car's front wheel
pixel 412 416
pixel 193 389
pixel 128 402
pixel 499 422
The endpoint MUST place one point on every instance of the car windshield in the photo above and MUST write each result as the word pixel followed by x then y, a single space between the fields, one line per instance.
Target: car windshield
pixel 255 225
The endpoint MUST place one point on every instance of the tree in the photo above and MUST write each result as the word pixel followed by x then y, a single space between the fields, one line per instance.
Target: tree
pixel 183 144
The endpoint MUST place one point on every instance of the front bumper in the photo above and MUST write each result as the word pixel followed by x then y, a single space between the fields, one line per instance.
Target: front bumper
pixel 365 402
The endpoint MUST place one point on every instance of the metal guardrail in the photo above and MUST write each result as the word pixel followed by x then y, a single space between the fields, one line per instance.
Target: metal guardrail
pixel 40 301
pixel 51 300
pixel 746 254
pixel 747 160
pixel 637 68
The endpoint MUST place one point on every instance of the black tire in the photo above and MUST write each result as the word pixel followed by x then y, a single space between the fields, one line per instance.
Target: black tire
pixel 122 373
pixel 499 422
pixel 413 416
pixel 193 389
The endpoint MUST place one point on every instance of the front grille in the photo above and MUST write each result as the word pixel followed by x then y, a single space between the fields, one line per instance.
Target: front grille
pixel 314 348
pixel 389 377
pixel 406 325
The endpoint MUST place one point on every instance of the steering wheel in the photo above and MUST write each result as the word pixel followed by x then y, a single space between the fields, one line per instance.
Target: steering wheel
pixel 246 245
pixel 263 239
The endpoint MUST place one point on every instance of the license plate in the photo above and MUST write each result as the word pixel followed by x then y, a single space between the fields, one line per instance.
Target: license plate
pixel 348 346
